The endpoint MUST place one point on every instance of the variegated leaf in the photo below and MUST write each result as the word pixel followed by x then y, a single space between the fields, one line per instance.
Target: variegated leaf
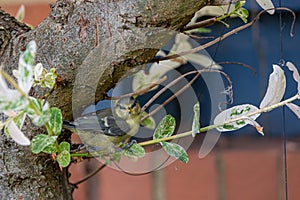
pixel 295 108
pixel 235 112
pixel 17 135
pixel 276 87
pixel 266 4
pixel 296 75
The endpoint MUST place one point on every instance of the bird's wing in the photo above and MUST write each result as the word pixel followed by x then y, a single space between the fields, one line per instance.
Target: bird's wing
pixel 102 123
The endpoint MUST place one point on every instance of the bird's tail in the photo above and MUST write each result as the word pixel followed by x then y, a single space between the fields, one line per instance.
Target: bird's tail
pixel 68 125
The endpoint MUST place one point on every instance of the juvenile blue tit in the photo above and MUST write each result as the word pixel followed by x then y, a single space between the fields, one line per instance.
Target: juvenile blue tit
pixel 107 128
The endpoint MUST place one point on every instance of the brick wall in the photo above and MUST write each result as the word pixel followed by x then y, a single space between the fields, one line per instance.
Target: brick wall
pixel 229 174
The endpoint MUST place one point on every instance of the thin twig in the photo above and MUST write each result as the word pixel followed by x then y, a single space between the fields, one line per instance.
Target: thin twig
pixel 222 37
pixel 199 72
pixel 141 91
pixel 171 98
pixel 198 37
pixel 89 175
pixel 165 88
pixel 238 63
pixel 201 24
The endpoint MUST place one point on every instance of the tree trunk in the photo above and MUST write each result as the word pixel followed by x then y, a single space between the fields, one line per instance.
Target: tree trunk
pixel 90 43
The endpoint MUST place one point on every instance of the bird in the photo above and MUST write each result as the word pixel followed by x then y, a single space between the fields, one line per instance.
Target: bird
pixel 104 130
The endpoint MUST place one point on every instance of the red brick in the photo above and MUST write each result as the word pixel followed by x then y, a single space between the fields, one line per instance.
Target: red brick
pixel 34 13
pixel 293 168
pixel 115 185
pixel 195 180
pixel 77 173
pixel 251 174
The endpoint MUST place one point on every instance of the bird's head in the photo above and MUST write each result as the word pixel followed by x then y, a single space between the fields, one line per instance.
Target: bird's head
pixel 127 107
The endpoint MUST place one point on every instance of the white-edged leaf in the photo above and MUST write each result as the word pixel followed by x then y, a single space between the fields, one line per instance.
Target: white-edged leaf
pixel 196 124
pixel 149 122
pixel 50 79
pixel 21 13
pixel 266 4
pixel 165 128
pixel 182 44
pixel 176 151
pixel 42 141
pixel 17 135
pixel 10 113
pixel 256 125
pixel 142 80
pixel 10 103
pixel 26 61
pixel 55 122
pixel 38 71
pixel 157 70
pixel 240 112
pixel 212 10
pixel 134 152
pixel 3 84
pixel 18 118
pixel 7 94
pixel 296 75
pixel 16 73
pixel 276 87
pixel 64 158
pixel 295 108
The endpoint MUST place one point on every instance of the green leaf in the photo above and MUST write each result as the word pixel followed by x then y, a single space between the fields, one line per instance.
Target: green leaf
pixel 16 134
pixel 26 61
pixel 196 124
pixel 115 157
pixel 51 149
pixel 37 104
pixel 134 152
pixel 175 151
pixel 64 146
pixel 148 122
pixel 56 120
pixel 165 128
pixel 243 14
pixel 19 120
pixel 50 79
pixel 63 158
pixel 200 30
pixel 239 4
pixel 40 120
pixel 39 112
pixel 39 70
pixel 40 142
pixel 29 54
pixel 16 104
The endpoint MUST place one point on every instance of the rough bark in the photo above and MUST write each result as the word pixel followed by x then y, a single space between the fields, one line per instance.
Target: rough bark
pixel 90 43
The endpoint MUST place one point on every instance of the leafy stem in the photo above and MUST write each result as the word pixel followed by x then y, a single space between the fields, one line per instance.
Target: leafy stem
pixel 82 155
pixel 204 129
pixel 10 119
pixel 31 103
pixel 13 83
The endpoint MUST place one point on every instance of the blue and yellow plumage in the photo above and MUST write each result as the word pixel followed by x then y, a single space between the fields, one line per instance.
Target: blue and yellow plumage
pixel 107 128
